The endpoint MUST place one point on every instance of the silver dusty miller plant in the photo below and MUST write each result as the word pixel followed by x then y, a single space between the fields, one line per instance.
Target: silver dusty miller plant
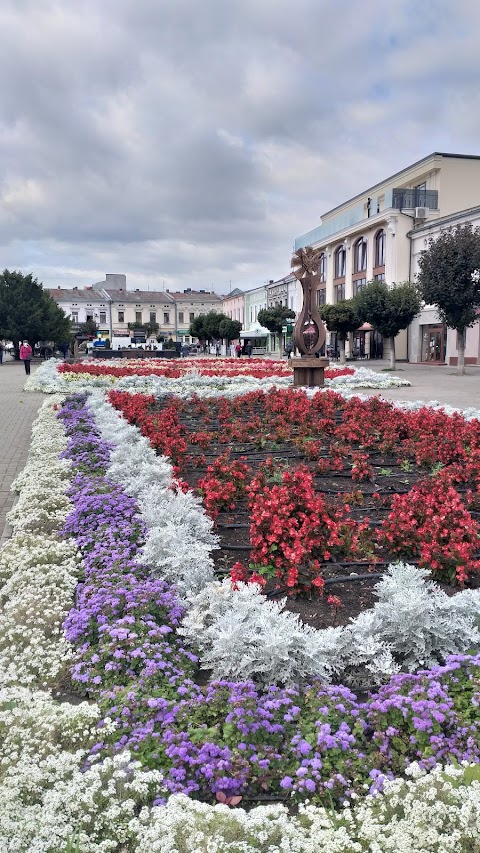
pixel 240 634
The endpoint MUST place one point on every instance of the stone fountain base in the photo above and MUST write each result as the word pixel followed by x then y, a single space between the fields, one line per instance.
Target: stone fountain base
pixel 308 371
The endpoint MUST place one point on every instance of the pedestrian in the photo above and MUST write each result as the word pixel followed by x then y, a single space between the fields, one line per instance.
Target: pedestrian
pixel 26 355
pixel 217 349
pixel 249 349
pixel 184 351
pixel 232 350
pixel 238 350
pixel 289 349
pixel 1 353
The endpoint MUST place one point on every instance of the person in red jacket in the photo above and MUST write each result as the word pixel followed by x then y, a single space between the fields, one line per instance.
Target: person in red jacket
pixel 26 355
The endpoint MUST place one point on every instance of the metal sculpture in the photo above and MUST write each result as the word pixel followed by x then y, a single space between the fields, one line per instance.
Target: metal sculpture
pixel 309 333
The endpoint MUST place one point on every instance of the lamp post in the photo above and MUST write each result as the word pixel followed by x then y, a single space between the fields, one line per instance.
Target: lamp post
pixel 309 333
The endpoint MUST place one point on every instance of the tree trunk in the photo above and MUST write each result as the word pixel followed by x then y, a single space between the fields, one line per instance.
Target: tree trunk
pixel 461 351
pixel 392 354
pixel 341 349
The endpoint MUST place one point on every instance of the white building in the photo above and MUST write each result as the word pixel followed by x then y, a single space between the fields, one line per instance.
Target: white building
pixel 429 339
pixel 368 236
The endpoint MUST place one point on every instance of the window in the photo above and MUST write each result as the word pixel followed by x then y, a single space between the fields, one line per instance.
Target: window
pixel 166 318
pixel 103 317
pixel 138 316
pixel 180 317
pixel 340 260
pixel 322 267
pixel 89 315
pixel 358 285
pixel 379 277
pixel 153 317
pixel 380 248
pixel 192 316
pixel 322 296
pixel 360 255
pixel 74 316
pixel 121 316
pixel 339 292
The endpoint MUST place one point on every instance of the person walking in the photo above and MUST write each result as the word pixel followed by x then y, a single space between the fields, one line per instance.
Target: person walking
pixel 232 350
pixel 25 356
pixel 249 349
pixel 238 350
pixel 289 349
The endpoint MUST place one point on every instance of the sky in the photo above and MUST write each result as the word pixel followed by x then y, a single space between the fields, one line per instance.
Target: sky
pixel 186 143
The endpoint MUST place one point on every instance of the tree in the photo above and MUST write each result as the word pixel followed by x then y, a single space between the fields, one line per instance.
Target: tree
pixel 230 329
pixel 341 318
pixel 389 310
pixel 274 319
pixel 445 280
pixel 213 326
pixel 28 312
pixel 88 329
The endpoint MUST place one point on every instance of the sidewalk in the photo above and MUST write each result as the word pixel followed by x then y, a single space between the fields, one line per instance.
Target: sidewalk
pixel 430 382
pixel 17 413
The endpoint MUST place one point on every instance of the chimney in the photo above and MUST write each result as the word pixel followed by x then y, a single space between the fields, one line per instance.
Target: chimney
pixel 270 281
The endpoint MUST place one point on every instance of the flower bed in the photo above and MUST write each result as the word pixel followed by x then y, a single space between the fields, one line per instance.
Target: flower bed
pixel 231 738
pixel 227 376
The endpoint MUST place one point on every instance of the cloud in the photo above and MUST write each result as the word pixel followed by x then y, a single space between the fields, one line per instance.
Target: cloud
pixel 192 142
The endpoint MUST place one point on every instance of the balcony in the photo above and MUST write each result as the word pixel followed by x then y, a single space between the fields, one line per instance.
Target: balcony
pixel 410 198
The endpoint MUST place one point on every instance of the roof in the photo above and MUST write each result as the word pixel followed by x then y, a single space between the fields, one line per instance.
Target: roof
pixel 233 293
pixel 134 296
pixel 70 294
pixel 444 220
pixel 396 175
pixel 195 296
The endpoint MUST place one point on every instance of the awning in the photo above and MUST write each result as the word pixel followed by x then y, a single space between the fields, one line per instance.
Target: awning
pixel 365 328
pixel 255 333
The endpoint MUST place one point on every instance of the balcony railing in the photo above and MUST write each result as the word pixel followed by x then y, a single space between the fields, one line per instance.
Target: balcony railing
pixel 411 198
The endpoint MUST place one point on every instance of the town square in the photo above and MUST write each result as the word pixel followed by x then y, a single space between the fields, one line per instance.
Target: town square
pixel 240 476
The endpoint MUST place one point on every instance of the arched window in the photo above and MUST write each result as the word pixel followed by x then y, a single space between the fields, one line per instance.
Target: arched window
pixel 360 255
pixel 340 259
pixel 322 267
pixel 380 238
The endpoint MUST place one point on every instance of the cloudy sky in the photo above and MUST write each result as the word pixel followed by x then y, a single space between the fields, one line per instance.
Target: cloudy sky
pixel 190 141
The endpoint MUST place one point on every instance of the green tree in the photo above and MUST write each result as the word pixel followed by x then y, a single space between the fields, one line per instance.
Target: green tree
pixel 28 312
pixel 88 329
pixel 274 319
pixel 229 329
pixel 197 328
pixel 445 280
pixel 389 310
pixel 341 318
pixel 214 326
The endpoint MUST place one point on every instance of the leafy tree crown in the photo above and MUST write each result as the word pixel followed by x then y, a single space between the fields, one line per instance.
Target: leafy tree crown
pixel 445 277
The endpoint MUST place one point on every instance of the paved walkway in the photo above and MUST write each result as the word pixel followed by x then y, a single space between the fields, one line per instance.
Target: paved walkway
pixel 17 413
pixel 431 382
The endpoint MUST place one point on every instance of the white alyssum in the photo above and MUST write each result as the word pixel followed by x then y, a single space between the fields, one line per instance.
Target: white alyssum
pixel 428 813
pixel 38 570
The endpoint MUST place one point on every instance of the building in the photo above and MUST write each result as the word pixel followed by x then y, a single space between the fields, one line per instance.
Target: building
pixel 259 337
pixel 115 309
pixel 233 305
pixel 189 305
pixel 429 339
pixel 82 304
pixel 368 236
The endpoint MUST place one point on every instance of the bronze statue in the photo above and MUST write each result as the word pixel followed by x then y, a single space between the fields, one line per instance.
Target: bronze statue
pixel 309 333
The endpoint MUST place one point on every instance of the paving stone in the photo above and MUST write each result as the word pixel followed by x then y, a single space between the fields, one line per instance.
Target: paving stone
pixel 17 413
